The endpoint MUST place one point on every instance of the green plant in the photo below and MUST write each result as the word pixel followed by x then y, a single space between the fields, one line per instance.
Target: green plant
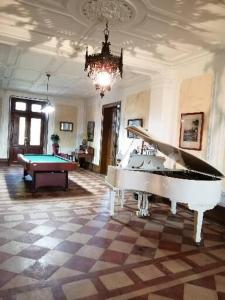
pixel 55 138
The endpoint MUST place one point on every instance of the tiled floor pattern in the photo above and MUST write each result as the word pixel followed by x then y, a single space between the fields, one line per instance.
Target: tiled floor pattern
pixel 64 245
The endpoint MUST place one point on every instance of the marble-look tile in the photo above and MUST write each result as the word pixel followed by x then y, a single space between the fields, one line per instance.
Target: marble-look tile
pixel 70 226
pixel 41 271
pixel 220 283
pixel 101 265
pixel 176 265
pixel 39 215
pixel 14 247
pixel 79 237
pixel 84 288
pixel 42 230
pixel 55 257
pixel 116 280
pixel 38 294
pixel 196 292
pixel 17 264
pixel 48 242
pixel 121 246
pixel 64 273
pixel 14 218
pixel 149 272
pixel 201 259
pixel 108 234
pixel 19 281
pixel 79 263
pixel 219 253
pixel 90 251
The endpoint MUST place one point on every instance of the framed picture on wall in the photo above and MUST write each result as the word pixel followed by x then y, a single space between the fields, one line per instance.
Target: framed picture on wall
pixel 135 122
pixel 191 129
pixel 66 126
pixel 90 131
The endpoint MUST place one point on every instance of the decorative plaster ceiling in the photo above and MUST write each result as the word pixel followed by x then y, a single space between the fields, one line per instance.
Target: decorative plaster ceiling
pixel 51 36
pixel 113 11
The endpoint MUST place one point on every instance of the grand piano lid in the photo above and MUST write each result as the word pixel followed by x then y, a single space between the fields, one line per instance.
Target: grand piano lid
pixel 186 159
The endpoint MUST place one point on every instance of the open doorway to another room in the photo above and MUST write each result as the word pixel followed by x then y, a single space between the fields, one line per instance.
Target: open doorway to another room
pixel 110 134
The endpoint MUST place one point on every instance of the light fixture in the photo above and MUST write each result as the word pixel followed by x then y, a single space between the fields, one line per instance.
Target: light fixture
pixel 48 107
pixel 104 67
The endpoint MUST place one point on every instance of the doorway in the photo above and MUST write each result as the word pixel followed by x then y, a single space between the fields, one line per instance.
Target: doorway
pixel 110 134
pixel 27 128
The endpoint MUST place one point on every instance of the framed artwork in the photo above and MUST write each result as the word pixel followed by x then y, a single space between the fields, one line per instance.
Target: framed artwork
pixel 191 129
pixel 90 131
pixel 66 126
pixel 135 122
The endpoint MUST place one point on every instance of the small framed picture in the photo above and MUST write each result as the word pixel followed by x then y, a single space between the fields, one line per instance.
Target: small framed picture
pixel 135 122
pixel 191 129
pixel 66 126
pixel 90 131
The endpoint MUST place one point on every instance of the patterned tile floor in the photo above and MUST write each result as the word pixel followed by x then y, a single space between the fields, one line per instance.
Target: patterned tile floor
pixel 57 245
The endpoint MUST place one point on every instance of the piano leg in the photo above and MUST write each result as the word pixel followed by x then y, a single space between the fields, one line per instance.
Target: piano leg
pixel 122 198
pixel 112 202
pixel 143 205
pixel 198 219
pixel 173 208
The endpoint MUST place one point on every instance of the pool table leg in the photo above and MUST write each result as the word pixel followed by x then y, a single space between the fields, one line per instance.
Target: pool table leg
pixel 24 173
pixel 34 182
pixel 66 183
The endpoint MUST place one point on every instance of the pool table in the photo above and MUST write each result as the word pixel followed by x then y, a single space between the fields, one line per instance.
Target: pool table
pixel 46 170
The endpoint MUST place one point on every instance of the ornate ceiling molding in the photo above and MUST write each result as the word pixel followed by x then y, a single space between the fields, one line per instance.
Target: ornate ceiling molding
pixel 113 11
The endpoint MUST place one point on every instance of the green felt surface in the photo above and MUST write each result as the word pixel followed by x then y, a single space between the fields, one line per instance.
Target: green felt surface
pixel 44 158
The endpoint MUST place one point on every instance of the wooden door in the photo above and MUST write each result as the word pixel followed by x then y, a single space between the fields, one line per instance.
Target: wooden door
pixel 110 132
pixel 28 126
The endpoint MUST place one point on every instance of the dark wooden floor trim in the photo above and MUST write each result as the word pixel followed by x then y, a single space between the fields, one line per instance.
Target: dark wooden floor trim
pixel 4 161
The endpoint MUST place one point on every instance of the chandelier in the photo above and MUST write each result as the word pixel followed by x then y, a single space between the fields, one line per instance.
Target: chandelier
pixel 104 67
pixel 48 107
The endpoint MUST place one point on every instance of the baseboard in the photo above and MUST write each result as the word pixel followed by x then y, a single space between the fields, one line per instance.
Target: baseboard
pixel 4 161
pixel 95 168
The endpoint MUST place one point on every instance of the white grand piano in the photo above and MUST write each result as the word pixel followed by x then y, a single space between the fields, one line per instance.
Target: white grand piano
pixel 198 186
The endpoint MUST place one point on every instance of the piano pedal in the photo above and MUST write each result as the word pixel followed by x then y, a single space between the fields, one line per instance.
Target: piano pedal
pixel 142 213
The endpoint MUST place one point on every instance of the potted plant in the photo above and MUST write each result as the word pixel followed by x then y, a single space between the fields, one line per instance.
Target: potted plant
pixel 55 143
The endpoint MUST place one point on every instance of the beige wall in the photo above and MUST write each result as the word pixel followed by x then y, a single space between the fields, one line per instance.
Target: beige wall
pixel 66 113
pixel 137 107
pixel 195 96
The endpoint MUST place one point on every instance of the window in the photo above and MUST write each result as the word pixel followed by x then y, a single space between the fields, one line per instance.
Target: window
pixel 20 106
pixel 21 130
pixel 35 131
pixel 36 107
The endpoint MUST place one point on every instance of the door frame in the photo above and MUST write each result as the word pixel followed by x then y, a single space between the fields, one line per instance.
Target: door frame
pixel 46 118
pixel 114 104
